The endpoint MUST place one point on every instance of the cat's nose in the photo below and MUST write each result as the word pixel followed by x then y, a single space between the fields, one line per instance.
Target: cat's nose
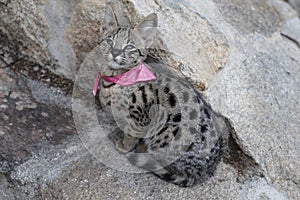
pixel 115 52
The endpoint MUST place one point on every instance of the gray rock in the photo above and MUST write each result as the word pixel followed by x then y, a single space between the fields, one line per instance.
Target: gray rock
pixel 291 29
pixel 284 9
pixel 22 23
pixel 4 191
pixel 295 4
pixel 233 49
pixel 263 105
pixel 57 15
pixel 259 189
pixel 250 16
pixel 205 46
pixel 7 83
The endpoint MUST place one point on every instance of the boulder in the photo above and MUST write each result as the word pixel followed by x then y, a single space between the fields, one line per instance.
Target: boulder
pixel 243 56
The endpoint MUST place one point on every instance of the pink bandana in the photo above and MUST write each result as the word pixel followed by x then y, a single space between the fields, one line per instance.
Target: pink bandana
pixel 137 74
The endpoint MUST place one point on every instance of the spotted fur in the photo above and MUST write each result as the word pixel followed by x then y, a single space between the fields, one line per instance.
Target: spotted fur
pixel 167 127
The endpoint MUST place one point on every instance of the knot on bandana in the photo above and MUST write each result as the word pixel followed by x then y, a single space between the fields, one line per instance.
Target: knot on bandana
pixel 137 74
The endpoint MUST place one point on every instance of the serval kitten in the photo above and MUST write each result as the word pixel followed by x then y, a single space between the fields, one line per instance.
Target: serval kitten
pixel 167 127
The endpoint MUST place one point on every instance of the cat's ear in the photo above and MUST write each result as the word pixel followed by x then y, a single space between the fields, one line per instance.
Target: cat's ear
pixel 110 21
pixel 147 29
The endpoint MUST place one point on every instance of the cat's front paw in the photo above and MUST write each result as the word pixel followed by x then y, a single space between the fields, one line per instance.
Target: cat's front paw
pixel 126 144
pixel 120 147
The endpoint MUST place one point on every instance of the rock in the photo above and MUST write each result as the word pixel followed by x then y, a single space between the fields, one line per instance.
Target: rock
pixel 295 4
pixel 205 47
pixel 5 193
pixel 7 83
pixel 250 16
pixel 264 113
pixel 84 27
pixel 291 29
pixel 22 23
pixel 259 189
pixel 285 11
pixel 245 61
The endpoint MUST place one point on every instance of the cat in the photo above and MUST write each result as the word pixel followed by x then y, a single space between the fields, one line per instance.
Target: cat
pixel 168 129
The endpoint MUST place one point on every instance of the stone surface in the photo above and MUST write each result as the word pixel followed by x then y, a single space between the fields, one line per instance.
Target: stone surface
pixel 250 16
pixel 264 114
pixel 245 59
pixel 82 35
pixel 295 4
pixel 284 9
pixel 22 22
pixel 56 16
pixel 205 46
pixel 291 30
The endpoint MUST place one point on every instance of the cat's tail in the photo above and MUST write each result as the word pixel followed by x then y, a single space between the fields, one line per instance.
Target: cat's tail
pixel 164 171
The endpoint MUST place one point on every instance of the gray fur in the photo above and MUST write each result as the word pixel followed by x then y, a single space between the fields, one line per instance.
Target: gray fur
pixel 167 127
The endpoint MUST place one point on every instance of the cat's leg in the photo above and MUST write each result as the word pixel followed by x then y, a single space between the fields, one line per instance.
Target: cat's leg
pixel 126 144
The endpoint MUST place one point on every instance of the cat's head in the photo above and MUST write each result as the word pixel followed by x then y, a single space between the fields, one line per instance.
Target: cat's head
pixel 124 47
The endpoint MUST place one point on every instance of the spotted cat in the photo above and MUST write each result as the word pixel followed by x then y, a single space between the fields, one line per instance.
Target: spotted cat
pixel 167 127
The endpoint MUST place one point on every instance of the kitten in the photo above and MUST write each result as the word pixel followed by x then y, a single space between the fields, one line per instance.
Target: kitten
pixel 167 127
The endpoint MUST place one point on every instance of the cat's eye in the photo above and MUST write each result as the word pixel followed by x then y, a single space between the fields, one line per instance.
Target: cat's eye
pixel 110 41
pixel 129 47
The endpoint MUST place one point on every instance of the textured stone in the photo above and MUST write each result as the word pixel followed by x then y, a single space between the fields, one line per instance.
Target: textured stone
pixel 284 9
pixel 250 16
pixel 21 22
pixel 83 36
pixel 205 47
pixel 259 189
pixel 295 4
pixel 56 16
pixel 6 83
pixel 235 50
pixel 262 105
pixel 291 29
